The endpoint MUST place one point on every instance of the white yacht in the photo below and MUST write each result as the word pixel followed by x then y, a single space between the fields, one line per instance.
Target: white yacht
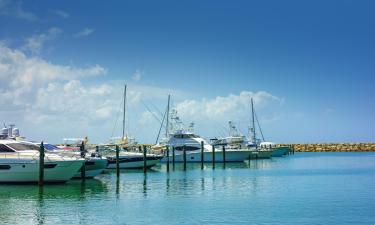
pixel 181 139
pixel 95 164
pixel 19 162
pixel 191 142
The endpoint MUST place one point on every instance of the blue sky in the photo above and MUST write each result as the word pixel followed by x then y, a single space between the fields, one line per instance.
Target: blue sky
pixel 313 59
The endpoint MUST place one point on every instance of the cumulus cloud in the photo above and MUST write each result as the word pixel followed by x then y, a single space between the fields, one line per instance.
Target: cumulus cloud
pixel 209 114
pixel 85 32
pixel 36 42
pixel 20 74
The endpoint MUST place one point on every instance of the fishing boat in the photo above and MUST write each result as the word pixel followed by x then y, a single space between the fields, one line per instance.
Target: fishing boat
pixel 181 139
pixel 19 163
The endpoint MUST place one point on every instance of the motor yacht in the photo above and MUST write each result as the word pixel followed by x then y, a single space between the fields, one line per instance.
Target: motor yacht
pixel 19 162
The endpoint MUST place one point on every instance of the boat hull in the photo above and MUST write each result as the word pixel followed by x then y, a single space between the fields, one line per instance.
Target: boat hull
pixel 93 167
pixel 230 156
pixel 54 172
pixel 260 154
pixel 133 162
pixel 279 151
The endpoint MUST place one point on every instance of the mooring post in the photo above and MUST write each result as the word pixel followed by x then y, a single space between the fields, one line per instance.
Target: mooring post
pixel 173 156
pixel 41 164
pixel 224 160
pixel 202 155
pixel 144 159
pixel 213 157
pixel 117 161
pixel 167 149
pixel 83 168
pixel 184 151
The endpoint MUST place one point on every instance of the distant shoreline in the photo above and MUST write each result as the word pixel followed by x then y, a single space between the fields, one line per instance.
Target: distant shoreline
pixel 333 147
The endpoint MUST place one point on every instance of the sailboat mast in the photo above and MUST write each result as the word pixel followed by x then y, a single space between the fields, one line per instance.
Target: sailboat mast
pixel 252 113
pixel 123 116
pixel 167 124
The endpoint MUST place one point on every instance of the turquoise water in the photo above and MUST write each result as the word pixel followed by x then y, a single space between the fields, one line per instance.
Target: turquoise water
pixel 305 188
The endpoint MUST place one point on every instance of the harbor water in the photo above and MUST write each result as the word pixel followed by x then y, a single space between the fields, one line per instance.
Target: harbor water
pixel 305 188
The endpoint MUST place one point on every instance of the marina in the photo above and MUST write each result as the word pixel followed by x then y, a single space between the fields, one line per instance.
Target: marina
pixel 187 112
pixel 290 190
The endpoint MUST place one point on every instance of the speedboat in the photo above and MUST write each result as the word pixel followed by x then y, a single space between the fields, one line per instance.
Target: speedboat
pixel 19 163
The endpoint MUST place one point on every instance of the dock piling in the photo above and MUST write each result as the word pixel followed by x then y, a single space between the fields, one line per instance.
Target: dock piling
pixel 41 164
pixel 224 157
pixel 202 155
pixel 173 157
pixel 82 153
pixel 184 152
pixel 117 161
pixel 144 159
pixel 167 149
pixel 213 157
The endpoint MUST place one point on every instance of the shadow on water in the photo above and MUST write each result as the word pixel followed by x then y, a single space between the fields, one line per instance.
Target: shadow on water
pixel 70 190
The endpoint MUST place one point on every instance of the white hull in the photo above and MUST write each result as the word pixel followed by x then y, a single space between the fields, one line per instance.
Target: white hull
pixel 93 167
pixel 195 156
pixel 133 165
pixel 29 171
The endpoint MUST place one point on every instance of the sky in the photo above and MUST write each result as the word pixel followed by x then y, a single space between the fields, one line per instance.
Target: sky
pixel 309 65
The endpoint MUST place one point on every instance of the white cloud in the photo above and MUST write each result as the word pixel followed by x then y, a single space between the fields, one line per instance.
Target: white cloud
pixel 15 9
pixel 20 74
pixel 211 115
pixel 36 42
pixel 60 13
pixel 137 76
pixel 85 32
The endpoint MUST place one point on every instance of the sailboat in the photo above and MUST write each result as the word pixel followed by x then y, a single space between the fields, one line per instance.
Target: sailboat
pixel 127 159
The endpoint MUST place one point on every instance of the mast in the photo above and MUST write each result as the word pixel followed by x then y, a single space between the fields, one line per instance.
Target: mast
pixel 123 116
pixel 167 124
pixel 252 113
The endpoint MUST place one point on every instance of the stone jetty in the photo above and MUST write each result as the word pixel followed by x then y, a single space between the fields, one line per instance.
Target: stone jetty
pixel 333 147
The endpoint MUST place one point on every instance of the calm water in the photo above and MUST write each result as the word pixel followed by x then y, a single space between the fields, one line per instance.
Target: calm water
pixel 305 188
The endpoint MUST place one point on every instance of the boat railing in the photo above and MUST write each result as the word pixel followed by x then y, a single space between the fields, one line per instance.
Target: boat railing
pixel 35 156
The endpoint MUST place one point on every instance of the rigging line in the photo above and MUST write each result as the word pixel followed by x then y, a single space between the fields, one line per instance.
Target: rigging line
pixel 161 126
pixel 117 117
pixel 152 113
pixel 156 108
pixel 260 129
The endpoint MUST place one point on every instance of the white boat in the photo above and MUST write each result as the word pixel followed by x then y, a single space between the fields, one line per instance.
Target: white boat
pixel 276 151
pixel 19 162
pixel 127 159
pixel 132 160
pixel 95 164
pixel 181 139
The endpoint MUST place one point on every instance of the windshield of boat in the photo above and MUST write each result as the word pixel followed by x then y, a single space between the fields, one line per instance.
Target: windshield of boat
pixel 50 147
pixel 22 146
pixel 185 136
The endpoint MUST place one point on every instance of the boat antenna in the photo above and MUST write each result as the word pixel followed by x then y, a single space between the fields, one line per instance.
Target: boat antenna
pixel 123 116
pixel 167 124
pixel 260 129
pixel 253 120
